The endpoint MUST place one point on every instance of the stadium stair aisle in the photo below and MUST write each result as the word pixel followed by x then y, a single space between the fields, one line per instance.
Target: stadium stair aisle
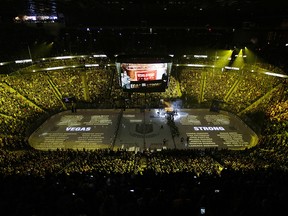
pixel 232 90
pixel 85 86
pixel 9 88
pixel 6 116
pixel 56 90
pixel 202 87
pixel 257 102
pixel 113 84
pixel 178 89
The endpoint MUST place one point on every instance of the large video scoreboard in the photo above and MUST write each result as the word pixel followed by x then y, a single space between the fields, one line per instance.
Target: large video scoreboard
pixel 144 73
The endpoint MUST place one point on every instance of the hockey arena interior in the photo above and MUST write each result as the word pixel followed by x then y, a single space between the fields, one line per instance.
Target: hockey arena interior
pixel 180 110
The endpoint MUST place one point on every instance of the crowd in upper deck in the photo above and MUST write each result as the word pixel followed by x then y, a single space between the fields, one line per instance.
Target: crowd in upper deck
pixel 101 182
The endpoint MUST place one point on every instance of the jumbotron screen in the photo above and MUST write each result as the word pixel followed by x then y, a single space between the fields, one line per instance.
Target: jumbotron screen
pixel 144 76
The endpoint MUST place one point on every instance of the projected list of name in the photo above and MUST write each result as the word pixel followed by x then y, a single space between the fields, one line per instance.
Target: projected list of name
pixel 76 131
pixel 95 130
pixel 211 131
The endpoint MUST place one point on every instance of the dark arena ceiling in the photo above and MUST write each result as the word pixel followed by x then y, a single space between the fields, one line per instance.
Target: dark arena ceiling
pixel 158 12
pixel 174 12
pixel 172 26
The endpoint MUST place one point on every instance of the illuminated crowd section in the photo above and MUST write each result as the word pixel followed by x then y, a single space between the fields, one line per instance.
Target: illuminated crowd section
pixel 143 108
pixel 230 179
pixel 38 87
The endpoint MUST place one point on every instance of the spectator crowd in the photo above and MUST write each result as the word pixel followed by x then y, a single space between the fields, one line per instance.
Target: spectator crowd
pixel 119 182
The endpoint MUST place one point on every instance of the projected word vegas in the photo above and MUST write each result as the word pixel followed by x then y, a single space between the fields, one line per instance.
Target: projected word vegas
pixel 78 128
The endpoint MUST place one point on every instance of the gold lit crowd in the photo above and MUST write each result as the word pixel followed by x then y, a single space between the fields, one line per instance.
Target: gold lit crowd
pixel 119 182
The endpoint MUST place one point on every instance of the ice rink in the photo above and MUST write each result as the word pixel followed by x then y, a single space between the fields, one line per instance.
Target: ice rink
pixel 139 129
